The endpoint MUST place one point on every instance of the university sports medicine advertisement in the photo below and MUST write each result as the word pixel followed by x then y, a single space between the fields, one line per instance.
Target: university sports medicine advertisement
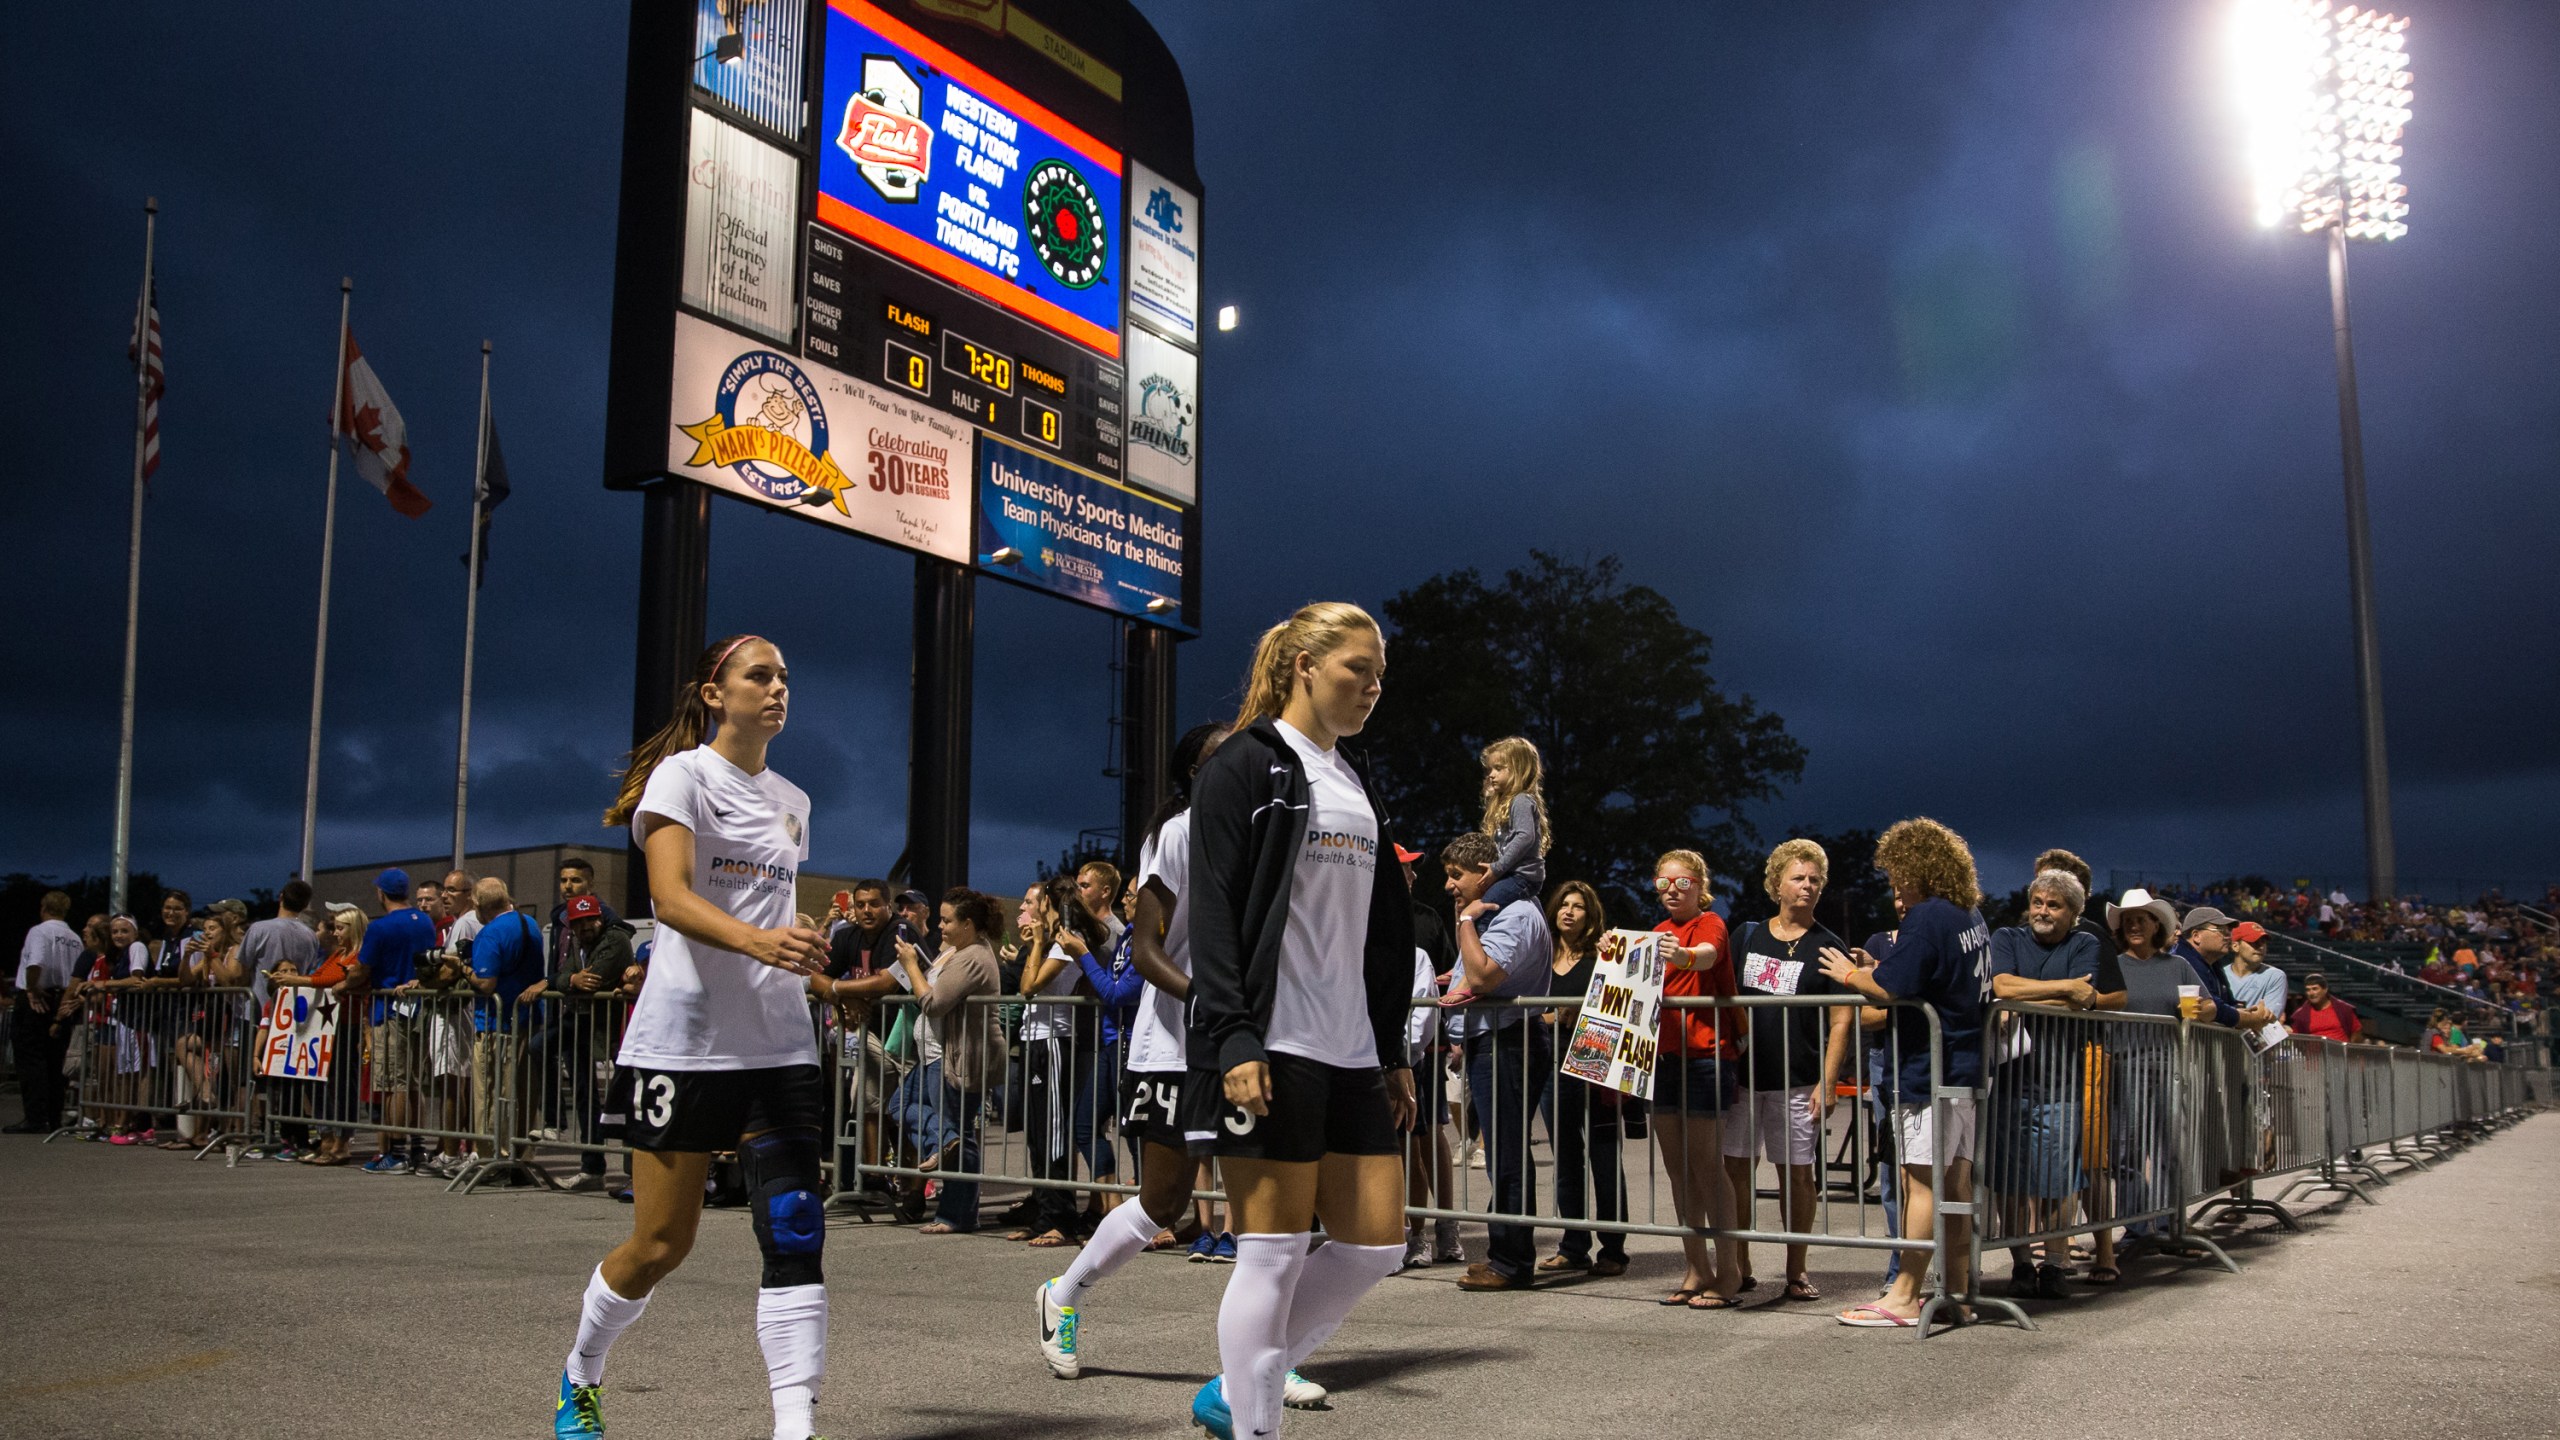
pixel 1077 535
pixel 929 159
pixel 794 435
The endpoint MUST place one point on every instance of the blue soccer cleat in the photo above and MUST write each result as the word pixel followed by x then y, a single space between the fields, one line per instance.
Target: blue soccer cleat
pixel 1209 1410
pixel 580 1413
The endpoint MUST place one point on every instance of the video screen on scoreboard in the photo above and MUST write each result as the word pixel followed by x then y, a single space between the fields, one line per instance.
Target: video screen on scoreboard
pixel 929 159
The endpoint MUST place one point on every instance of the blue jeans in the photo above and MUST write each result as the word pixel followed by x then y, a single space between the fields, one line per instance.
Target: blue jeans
pixel 1509 888
pixel 932 1114
pixel 1498 1069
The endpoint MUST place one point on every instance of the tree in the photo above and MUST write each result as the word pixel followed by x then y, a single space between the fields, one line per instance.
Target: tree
pixel 1642 749
pixel 21 896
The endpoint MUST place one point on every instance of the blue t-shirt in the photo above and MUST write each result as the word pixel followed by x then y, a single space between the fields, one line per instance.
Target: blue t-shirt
pixel 391 949
pixel 1938 959
pixel 509 951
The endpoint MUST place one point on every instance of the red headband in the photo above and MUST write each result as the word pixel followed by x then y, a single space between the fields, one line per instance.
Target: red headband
pixel 732 650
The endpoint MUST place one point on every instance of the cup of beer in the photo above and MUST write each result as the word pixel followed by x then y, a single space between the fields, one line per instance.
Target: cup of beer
pixel 2191 1002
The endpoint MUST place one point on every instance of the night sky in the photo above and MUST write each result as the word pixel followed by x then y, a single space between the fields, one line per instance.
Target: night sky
pixel 1926 356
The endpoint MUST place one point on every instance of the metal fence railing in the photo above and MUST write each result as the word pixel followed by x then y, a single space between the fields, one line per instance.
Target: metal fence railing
pixel 2077 1124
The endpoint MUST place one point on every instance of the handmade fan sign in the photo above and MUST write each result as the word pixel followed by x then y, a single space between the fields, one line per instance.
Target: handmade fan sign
pixel 1613 1034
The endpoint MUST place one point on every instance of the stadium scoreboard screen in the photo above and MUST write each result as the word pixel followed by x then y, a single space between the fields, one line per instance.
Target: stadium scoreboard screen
pixel 939 286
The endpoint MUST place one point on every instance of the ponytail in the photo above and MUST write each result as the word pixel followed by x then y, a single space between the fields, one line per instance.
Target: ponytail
pixel 1188 753
pixel 690 727
pixel 1317 631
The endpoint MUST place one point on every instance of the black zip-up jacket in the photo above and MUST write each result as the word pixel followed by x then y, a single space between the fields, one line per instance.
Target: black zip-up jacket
pixel 1248 822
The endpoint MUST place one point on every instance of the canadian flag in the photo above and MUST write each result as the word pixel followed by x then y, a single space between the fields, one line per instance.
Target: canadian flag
pixel 372 423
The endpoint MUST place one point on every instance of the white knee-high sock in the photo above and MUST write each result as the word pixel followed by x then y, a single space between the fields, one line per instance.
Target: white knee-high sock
pixel 1253 1328
pixel 791 1325
pixel 601 1320
pixel 1333 1281
pixel 1123 1233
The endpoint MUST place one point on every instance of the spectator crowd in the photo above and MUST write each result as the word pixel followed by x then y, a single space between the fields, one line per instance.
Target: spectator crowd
pixel 454 999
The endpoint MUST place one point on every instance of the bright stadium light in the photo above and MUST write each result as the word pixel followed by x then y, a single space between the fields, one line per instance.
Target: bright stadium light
pixel 2325 95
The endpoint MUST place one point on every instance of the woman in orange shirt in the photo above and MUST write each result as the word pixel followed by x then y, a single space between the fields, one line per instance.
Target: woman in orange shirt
pixel 1694 1079
pixel 331 1101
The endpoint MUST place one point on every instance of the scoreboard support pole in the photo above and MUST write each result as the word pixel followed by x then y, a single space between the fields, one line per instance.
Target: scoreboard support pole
pixel 1147 734
pixel 938 739
pixel 675 593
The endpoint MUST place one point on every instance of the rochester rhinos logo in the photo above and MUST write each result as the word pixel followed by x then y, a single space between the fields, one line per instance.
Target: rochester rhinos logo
pixel 1065 223
pixel 1163 419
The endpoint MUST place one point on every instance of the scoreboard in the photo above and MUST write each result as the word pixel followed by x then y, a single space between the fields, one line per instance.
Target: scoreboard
pixel 938 286
pixel 871 316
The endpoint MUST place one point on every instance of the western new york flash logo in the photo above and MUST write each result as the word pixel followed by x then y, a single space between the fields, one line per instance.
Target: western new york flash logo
pixel 768 427
pixel 1065 223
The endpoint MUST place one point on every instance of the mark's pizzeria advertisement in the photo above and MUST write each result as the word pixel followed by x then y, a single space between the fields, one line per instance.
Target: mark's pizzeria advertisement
pixel 796 436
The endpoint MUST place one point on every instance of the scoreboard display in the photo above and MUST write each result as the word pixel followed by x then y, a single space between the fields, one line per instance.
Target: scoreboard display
pixel 869 316
pixel 938 290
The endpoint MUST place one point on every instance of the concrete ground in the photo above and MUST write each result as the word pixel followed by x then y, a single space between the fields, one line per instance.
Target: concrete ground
pixel 142 1295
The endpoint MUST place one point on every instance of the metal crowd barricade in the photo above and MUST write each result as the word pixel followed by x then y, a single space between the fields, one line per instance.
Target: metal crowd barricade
pixel 1040 1115
pixel 572 1101
pixel 180 1054
pixel 2097 1122
pixel 1498 1085
pixel 421 1070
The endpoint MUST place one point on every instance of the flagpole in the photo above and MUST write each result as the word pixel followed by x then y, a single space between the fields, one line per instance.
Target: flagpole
pixel 328 551
pixel 471 617
pixel 133 562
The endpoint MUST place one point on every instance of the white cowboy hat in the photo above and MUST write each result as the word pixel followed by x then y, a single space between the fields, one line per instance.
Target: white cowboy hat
pixel 2141 899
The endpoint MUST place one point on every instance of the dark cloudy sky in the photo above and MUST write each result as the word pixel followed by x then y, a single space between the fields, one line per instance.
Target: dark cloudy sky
pixel 1923 354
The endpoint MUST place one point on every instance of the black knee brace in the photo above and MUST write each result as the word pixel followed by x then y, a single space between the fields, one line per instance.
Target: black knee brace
pixel 782 1173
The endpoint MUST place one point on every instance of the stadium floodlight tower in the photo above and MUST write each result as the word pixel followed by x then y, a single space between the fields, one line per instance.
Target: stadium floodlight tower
pixel 2326 94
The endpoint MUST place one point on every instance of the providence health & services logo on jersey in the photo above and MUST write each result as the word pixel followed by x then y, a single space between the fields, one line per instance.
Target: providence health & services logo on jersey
pixel 749 877
pixel 1341 847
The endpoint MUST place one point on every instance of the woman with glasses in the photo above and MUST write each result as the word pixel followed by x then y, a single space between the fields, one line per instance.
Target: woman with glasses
pixel 1693 1078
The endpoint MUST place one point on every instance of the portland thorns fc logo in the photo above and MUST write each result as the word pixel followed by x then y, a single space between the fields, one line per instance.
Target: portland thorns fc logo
pixel 1065 223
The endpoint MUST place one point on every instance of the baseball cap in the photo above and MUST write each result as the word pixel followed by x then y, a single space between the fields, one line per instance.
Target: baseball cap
pixel 585 907
pixel 393 882
pixel 1407 857
pixel 914 897
pixel 2249 932
pixel 2204 915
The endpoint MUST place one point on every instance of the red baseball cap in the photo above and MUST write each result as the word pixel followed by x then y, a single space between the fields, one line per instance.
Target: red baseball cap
pixel 1407 857
pixel 2247 932
pixel 585 907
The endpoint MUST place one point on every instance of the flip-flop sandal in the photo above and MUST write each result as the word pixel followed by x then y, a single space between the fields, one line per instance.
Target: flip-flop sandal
pixel 1801 1288
pixel 1709 1300
pixel 1874 1317
pixel 1749 1284
pixel 937 1228
pixel 1677 1297
pixel 2102 1275
pixel 1050 1240
pixel 1563 1262
pixel 1018 1236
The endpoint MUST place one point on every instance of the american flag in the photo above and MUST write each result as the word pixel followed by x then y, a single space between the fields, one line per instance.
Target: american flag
pixel 144 351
